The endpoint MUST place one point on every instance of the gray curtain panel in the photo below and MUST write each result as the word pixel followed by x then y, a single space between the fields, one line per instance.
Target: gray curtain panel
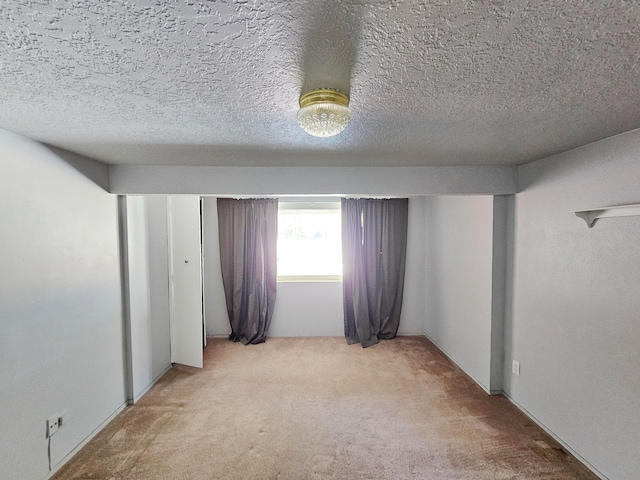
pixel 374 246
pixel 248 234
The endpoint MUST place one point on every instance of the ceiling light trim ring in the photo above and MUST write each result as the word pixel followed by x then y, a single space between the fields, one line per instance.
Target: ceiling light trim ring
pixel 324 95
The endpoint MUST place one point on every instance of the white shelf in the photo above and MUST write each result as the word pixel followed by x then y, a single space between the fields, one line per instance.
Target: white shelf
pixel 590 216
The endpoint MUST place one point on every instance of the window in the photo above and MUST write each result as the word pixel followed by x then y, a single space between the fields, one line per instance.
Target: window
pixel 309 241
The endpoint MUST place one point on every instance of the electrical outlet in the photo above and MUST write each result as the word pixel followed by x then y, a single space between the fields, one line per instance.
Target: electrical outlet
pixel 515 367
pixel 52 425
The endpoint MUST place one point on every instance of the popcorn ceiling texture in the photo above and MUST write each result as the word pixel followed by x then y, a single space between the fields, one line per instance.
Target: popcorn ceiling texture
pixel 431 82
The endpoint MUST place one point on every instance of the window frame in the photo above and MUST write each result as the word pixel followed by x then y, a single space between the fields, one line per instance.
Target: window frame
pixel 311 205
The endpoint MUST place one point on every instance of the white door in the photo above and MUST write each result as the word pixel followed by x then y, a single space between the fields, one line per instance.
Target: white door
pixel 186 280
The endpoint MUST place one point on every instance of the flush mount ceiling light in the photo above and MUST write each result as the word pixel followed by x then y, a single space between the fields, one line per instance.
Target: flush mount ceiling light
pixel 324 112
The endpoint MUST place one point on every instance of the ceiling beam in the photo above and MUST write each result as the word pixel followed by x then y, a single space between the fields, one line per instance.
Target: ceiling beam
pixel 392 181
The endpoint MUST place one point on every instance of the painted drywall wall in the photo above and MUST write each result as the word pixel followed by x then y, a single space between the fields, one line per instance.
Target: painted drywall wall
pixel 139 299
pixel 308 309
pixel 574 311
pixel 145 285
pixel 61 327
pixel 158 253
pixel 502 232
pixel 97 172
pixel 216 318
pixel 458 281
pixel 397 181
pixel 413 303
pixel 313 308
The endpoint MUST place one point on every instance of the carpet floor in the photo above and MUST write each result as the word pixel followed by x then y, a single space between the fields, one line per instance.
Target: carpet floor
pixel 317 408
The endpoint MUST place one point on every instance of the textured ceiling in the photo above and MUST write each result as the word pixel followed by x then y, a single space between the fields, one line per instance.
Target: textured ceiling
pixel 439 82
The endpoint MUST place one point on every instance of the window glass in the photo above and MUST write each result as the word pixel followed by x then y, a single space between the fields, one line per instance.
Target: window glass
pixel 309 240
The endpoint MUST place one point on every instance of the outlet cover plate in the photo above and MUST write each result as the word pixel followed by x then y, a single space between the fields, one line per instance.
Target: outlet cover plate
pixel 515 367
pixel 52 426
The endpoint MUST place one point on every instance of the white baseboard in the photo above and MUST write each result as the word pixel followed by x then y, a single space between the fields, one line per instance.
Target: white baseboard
pixel 528 414
pixel 153 382
pixel 489 392
pixel 86 440
pixel 556 438
pixel 97 430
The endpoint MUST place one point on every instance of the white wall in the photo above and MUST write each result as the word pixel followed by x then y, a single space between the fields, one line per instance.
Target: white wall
pixel 458 287
pixel 308 309
pixel 158 253
pixel 313 308
pixel 148 292
pixel 396 181
pixel 216 318
pixel 413 304
pixel 501 256
pixel 574 314
pixel 61 327
pixel 139 303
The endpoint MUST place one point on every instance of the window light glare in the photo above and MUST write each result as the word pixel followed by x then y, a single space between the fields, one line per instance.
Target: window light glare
pixel 309 242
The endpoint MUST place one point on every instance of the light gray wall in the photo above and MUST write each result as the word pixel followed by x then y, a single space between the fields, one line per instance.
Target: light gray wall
pixel 458 286
pixel 97 172
pixel 61 327
pixel 575 307
pixel 216 318
pixel 313 308
pixel 397 181
pixel 158 253
pixel 148 292
pixel 308 309
pixel 413 304
pixel 139 302
pixel 502 232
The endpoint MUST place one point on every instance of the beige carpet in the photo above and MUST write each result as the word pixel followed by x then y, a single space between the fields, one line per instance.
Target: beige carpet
pixel 317 408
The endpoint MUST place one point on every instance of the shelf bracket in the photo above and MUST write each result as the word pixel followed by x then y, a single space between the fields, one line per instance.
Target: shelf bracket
pixel 591 216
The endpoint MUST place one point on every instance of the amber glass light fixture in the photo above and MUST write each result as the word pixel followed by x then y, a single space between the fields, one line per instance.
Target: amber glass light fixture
pixel 324 112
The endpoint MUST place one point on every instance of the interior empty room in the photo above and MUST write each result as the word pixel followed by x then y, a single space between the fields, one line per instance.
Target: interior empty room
pixel 511 128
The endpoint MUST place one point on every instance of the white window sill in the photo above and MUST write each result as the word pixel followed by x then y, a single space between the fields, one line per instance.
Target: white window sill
pixel 309 278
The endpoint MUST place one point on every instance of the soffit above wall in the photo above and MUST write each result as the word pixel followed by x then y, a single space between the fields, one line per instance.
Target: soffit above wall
pixel 306 181
pixel 217 83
